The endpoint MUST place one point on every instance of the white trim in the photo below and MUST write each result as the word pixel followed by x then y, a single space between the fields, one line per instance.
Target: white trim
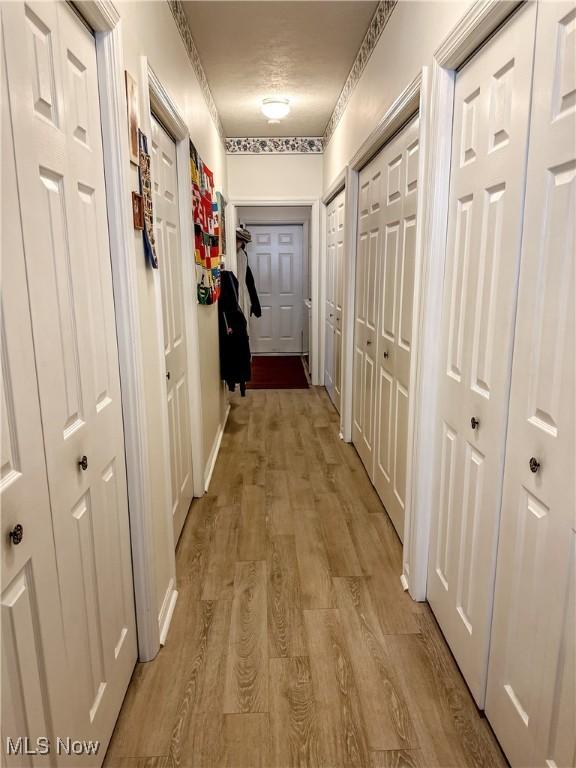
pixel 167 611
pixel 315 353
pixel 105 20
pixel 334 188
pixel 163 105
pixel 477 24
pixel 399 112
pixel 211 463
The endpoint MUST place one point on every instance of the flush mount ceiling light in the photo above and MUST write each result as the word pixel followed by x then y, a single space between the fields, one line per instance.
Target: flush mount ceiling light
pixel 275 108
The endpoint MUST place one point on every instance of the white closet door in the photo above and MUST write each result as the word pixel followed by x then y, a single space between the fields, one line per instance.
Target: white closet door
pixel 334 289
pixel 51 63
pixel 394 336
pixel 339 266
pixel 491 114
pixel 34 680
pixel 330 308
pixel 366 311
pixel 167 231
pixel 531 700
pixel 276 261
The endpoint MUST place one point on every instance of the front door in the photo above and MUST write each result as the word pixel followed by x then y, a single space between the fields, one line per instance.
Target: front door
pixel 489 146
pixel 51 66
pixel 167 232
pixel 275 258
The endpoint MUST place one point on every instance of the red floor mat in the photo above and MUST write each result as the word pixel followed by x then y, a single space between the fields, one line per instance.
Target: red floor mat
pixel 277 372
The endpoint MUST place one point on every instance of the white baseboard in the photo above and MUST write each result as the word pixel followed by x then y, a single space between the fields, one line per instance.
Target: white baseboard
pixel 167 610
pixel 211 463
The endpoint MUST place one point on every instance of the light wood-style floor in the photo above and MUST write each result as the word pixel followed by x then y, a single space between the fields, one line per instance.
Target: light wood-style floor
pixel 292 642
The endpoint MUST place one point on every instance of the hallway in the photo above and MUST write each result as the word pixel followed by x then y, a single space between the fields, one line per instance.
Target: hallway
pixel 292 642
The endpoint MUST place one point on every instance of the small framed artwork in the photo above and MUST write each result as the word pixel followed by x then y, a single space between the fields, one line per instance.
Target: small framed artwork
pixel 137 210
pixel 133 116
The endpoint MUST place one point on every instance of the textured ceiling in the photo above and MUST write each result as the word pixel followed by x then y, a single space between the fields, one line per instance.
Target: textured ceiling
pixel 302 50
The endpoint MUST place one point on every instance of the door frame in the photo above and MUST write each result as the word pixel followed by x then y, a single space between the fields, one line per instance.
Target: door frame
pixel 314 265
pixel 478 23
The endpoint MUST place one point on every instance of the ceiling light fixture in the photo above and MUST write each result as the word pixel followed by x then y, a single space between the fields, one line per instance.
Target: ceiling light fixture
pixel 275 108
pixel 273 122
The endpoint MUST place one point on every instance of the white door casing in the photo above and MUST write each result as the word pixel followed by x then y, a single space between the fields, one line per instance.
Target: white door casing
pixel 34 680
pixel 490 131
pixel 334 293
pixel 366 311
pixel 395 277
pixel 276 261
pixel 51 62
pixel 531 697
pixel 166 226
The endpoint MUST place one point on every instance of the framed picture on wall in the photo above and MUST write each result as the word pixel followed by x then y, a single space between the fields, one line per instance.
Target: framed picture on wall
pixel 137 210
pixel 133 116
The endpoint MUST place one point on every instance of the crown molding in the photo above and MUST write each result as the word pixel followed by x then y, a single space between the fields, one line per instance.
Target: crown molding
pixel 379 21
pixel 186 35
pixel 261 145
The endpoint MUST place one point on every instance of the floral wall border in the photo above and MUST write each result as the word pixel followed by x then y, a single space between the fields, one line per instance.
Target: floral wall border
pixel 186 35
pixel 301 145
pixel 379 20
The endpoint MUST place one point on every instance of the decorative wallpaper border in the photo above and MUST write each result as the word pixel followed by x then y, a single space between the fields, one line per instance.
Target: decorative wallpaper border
pixel 379 20
pixel 301 145
pixel 184 29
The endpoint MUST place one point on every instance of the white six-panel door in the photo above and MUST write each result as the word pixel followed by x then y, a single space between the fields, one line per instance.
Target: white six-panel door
pixel 490 133
pixel 531 699
pixel 366 311
pixel 167 231
pixel 388 189
pixel 394 336
pixel 334 288
pixel 51 65
pixel 275 258
pixel 34 679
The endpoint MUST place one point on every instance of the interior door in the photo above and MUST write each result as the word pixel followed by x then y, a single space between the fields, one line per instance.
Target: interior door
pixel 330 308
pixel 366 311
pixel 394 336
pixel 339 265
pixel 276 260
pixel 489 145
pixel 51 64
pixel 531 699
pixel 167 232
pixel 34 680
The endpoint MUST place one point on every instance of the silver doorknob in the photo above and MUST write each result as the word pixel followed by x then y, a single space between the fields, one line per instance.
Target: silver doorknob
pixel 474 423
pixel 534 464
pixel 83 463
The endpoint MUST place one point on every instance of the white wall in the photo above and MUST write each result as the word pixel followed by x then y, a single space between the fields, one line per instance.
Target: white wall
pixel 273 177
pixel 408 42
pixel 148 29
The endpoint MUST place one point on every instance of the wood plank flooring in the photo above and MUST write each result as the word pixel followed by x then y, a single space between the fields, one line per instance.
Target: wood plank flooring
pixel 292 641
